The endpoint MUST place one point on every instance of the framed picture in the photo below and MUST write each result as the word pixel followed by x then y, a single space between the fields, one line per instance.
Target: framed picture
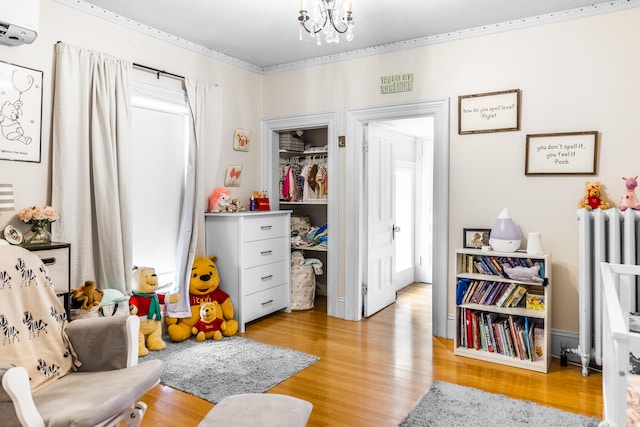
pixel 232 176
pixel 489 112
pixel 20 113
pixel 241 139
pixel 570 153
pixel 476 237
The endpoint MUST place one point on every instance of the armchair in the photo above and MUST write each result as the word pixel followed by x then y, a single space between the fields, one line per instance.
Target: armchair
pixel 55 373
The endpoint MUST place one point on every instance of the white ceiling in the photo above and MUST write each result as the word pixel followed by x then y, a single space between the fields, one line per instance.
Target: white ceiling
pixel 264 35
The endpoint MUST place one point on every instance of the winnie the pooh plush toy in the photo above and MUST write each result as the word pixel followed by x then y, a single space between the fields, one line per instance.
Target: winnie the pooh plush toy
pixel 203 287
pixel 593 197
pixel 145 303
pixel 211 323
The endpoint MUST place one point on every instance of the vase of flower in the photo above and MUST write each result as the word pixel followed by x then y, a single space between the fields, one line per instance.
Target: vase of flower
pixel 37 234
pixel 39 218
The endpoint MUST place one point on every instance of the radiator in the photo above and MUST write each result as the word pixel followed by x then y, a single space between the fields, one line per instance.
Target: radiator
pixel 603 235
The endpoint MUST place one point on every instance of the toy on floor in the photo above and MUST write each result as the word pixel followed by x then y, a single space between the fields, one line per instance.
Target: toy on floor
pixel 629 199
pixel 86 296
pixel 211 322
pixel 593 197
pixel 145 303
pixel 203 287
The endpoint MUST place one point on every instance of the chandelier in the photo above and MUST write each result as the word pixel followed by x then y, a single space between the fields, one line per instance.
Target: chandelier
pixel 327 17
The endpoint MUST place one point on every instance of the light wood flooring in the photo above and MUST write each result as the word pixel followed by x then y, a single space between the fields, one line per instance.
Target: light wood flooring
pixel 372 372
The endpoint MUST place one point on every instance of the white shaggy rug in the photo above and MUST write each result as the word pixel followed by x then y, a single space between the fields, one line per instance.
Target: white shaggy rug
pixel 451 405
pixel 214 370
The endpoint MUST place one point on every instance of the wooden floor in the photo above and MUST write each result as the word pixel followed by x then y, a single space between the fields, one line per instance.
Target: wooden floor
pixel 371 373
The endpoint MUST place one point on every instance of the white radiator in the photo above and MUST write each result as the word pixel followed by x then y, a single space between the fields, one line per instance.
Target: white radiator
pixel 603 235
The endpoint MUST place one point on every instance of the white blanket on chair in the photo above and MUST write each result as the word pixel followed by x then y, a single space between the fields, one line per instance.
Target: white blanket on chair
pixel 32 319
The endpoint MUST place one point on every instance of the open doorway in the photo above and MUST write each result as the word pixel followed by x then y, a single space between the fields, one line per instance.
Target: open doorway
pixel 357 233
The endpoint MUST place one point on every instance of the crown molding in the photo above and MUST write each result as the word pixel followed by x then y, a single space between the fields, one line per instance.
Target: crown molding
pixel 566 15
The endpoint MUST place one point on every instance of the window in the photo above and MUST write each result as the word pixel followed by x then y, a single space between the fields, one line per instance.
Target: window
pixel 161 128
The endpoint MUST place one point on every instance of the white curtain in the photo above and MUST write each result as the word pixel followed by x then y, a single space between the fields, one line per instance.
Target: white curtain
pixel 90 178
pixel 204 155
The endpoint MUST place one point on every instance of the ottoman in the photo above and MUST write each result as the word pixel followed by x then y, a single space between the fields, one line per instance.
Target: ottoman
pixel 257 409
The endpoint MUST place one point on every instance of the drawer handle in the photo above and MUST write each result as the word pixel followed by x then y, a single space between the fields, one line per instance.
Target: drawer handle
pixel 266 303
pixel 49 261
pixel 269 277
pixel 266 252
pixel 266 227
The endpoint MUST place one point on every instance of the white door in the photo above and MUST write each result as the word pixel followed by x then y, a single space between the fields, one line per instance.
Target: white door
pixel 379 173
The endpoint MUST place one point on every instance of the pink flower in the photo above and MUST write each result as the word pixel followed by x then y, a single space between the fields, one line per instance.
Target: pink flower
pixel 50 213
pixel 25 215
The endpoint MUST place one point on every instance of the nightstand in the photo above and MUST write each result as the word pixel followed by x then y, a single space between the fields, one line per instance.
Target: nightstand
pixel 56 257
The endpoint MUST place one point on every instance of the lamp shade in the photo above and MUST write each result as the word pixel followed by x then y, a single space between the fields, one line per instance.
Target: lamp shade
pixel 505 235
pixel 7 202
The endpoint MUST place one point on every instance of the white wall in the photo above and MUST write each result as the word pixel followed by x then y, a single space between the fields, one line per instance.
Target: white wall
pixel 242 94
pixel 574 76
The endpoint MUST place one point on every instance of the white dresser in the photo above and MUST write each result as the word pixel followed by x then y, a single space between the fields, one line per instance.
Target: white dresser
pixel 56 257
pixel 254 260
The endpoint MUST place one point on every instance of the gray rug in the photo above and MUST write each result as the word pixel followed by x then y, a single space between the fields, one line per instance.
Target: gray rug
pixel 213 370
pixel 451 405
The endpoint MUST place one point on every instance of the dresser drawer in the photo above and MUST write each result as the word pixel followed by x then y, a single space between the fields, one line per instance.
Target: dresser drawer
pixel 57 263
pixel 263 227
pixel 263 252
pixel 263 277
pixel 265 302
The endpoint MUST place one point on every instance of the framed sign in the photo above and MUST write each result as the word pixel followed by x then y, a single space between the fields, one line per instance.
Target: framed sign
pixel 489 112
pixel 570 153
pixel 20 113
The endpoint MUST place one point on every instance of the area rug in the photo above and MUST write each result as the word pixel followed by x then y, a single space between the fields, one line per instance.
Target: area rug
pixel 451 405
pixel 213 370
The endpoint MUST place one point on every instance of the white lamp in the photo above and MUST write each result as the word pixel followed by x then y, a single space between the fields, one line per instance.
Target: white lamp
pixel 505 236
pixel 7 201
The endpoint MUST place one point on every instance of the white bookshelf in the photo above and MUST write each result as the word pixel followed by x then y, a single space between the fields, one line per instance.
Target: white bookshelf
pixel 469 343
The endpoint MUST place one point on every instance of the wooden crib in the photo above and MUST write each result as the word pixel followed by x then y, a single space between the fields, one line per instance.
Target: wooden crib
pixel 621 388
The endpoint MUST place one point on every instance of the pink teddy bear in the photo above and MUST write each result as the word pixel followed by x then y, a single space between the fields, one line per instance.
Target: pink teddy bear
pixel 629 199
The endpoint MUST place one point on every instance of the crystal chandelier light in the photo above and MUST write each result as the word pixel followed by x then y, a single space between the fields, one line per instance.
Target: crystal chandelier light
pixel 328 17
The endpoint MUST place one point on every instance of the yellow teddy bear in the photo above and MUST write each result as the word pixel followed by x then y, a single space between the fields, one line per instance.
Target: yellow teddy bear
pixel 204 286
pixel 145 303
pixel 211 323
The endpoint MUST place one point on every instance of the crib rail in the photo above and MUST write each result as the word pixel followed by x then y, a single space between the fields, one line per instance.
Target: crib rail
pixel 618 283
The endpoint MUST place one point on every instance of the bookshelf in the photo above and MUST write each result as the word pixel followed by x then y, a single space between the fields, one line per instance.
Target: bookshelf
pixel 499 318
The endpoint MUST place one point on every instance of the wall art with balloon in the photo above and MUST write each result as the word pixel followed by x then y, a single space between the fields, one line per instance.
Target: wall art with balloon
pixel 20 113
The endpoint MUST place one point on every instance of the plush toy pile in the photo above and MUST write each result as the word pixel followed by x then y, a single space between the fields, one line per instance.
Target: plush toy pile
pixel 145 303
pixel 204 287
pixel 86 296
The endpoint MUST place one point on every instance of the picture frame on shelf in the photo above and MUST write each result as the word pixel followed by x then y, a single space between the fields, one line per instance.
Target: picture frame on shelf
pixel 241 139
pixel 476 238
pixel 564 153
pixel 489 112
pixel 21 109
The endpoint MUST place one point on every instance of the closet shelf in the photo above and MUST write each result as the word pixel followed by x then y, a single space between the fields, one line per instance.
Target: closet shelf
pixel 318 248
pixel 305 202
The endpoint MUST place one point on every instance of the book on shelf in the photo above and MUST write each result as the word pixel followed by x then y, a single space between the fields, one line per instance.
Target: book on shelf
pixel 515 296
pixel 535 299
pixel 538 342
pixel 507 292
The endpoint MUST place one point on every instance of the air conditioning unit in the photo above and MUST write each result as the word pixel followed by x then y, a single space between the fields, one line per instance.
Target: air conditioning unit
pixel 19 21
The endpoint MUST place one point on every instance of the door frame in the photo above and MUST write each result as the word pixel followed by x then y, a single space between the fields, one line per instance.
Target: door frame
pixel 355 234
pixel 269 152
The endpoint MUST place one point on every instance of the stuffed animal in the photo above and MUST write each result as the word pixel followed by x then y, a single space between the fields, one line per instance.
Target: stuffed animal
pixel 203 287
pixel 525 274
pixel 629 200
pixel 593 197
pixel 211 322
pixel 145 303
pixel 86 296
pixel 219 200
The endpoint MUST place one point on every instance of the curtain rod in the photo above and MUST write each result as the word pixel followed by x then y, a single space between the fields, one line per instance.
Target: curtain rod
pixel 158 72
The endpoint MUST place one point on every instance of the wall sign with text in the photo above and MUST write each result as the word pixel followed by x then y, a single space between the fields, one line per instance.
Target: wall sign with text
pixel 561 153
pixel 489 112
